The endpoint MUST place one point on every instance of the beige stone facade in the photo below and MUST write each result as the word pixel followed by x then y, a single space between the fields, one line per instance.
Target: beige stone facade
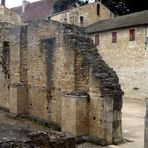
pixel 83 15
pixel 128 58
pixel 53 72
pixel 8 16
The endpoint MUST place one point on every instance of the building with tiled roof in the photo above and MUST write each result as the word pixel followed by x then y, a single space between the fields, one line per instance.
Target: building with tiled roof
pixel 35 10
pixel 52 72
pixel 123 43
pixel 130 20
pixel 83 15
pixel 77 15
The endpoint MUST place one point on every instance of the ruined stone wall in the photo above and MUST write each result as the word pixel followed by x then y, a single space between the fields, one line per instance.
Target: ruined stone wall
pixel 129 59
pixel 88 12
pixel 4 65
pixel 57 75
pixel 103 88
pixel 7 20
pixel 40 51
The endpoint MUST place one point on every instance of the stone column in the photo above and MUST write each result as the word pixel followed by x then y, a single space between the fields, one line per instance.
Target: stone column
pixel 75 114
pixel 146 126
pixel 18 99
pixel 108 119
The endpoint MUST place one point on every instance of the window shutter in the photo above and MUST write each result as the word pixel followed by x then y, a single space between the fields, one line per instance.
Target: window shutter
pixel 114 37
pixel 132 35
pixel 97 39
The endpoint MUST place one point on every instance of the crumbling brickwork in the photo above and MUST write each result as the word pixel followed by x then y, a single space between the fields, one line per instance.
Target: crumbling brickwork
pixel 4 64
pixel 57 75
pixel 103 82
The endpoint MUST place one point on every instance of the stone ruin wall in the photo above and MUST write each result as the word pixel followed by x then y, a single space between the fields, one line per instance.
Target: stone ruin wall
pixel 7 18
pixel 4 65
pixel 57 75
pixel 102 86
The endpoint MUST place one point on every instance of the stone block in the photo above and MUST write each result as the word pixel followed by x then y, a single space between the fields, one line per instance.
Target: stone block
pixel 75 114
pixel 18 99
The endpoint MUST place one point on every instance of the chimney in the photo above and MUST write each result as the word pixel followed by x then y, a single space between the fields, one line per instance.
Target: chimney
pixel 3 2
pixel 24 5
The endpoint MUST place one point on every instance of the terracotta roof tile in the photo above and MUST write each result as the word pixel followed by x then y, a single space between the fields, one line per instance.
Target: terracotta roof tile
pixel 35 10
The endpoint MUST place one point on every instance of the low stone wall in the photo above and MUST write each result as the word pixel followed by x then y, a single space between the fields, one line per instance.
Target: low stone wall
pixel 18 136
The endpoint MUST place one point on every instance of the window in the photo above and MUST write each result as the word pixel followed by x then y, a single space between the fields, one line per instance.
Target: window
pixel 98 9
pixel 114 37
pixel 132 35
pixel 97 40
pixel 81 20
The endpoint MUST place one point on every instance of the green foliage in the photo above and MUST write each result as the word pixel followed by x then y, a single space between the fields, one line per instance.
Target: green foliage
pixel 61 5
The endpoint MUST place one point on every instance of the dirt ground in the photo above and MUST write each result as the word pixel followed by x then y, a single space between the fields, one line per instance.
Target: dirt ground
pixel 6 118
pixel 133 125
pixel 16 129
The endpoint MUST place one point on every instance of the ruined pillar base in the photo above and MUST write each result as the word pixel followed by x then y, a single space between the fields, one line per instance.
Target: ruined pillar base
pixel 75 114
pixel 18 99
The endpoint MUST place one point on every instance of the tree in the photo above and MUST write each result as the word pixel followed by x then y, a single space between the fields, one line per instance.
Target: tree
pixel 61 5
pixel 121 7
pixel 118 7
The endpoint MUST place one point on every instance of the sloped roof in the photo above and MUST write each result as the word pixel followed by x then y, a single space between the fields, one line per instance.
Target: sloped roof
pixel 35 10
pixel 134 19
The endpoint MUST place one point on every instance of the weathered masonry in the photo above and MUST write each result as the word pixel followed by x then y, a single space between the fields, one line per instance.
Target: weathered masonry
pixel 125 40
pixel 83 15
pixel 53 72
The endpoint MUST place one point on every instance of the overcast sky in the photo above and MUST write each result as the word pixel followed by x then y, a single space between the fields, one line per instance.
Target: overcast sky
pixel 14 3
